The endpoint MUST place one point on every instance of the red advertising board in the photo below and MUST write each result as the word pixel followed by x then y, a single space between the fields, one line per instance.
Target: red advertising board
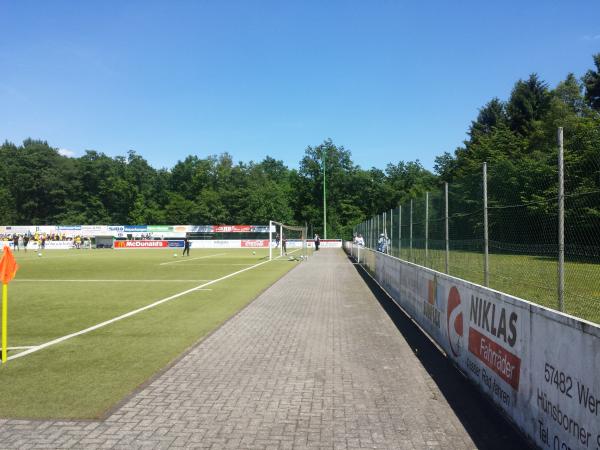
pixel 141 244
pixel 506 365
pixel 232 228
pixel 255 243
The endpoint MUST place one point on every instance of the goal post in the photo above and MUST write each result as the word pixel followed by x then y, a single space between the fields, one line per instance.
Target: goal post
pixel 287 240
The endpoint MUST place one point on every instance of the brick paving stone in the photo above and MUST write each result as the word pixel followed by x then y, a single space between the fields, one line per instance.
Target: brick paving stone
pixel 313 362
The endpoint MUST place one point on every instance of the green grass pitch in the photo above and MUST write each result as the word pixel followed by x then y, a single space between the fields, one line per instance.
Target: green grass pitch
pixel 64 292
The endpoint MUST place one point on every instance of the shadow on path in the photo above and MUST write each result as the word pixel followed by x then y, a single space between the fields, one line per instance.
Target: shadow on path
pixel 483 422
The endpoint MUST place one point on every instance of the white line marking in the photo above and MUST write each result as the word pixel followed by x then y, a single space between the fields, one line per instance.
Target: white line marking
pixel 33 252
pixel 129 314
pixel 20 348
pixel 191 259
pixel 28 280
pixel 220 264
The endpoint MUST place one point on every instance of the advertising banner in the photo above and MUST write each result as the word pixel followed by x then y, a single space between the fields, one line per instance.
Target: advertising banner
pixel 200 228
pixel 255 243
pixel 135 228
pixel 68 227
pixel 539 366
pixel 159 228
pixel 94 228
pixel 18 229
pixel 216 243
pixel 49 245
pixel 146 244
pixel 115 228
pixel 260 228
pixel 48 229
pixel 228 228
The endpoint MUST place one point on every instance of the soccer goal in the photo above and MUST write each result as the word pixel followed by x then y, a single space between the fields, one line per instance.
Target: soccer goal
pixel 287 240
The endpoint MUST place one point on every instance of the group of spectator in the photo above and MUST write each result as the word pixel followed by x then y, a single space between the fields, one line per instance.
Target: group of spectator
pixel 383 242
pixel 22 240
pixel 359 240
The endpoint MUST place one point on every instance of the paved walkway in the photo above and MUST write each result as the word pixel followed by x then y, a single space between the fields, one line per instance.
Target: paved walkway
pixel 314 362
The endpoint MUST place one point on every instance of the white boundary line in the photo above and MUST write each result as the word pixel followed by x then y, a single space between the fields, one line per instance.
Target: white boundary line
pixel 26 280
pixel 129 314
pixel 191 259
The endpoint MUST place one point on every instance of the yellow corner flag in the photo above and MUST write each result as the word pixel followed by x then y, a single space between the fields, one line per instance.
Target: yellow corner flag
pixel 8 270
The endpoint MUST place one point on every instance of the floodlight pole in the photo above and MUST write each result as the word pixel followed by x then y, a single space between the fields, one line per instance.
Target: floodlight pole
pixel 324 193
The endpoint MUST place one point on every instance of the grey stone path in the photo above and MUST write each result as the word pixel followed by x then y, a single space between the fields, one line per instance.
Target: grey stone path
pixel 314 362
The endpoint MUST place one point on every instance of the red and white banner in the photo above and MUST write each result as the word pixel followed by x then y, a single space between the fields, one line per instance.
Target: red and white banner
pixel 255 243
pixel 232 228
pixel 141 244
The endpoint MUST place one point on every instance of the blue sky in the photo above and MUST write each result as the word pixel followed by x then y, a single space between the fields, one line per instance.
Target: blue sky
pixel 389 80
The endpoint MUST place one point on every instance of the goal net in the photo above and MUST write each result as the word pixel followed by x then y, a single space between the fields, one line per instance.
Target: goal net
pixel 287 240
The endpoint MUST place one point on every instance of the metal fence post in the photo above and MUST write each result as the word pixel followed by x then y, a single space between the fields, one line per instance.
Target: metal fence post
pixel 561 222
pixel 426 229
pixel 400 231
pixel 486 260
pixel 391 249
pixel 447 231
pixel 410 254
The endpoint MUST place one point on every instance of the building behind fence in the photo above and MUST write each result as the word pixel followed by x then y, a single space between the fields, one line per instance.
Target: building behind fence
pixel 545 249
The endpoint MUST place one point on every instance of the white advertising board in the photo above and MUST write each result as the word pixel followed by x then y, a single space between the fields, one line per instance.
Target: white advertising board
pixel 541 367
pixel 208 243
pixel 50 245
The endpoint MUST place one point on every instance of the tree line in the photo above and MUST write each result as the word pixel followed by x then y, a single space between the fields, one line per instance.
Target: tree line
pixel 517 137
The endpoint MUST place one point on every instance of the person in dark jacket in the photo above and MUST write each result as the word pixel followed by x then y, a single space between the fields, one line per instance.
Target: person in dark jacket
pixel 317 242
pixel 186 246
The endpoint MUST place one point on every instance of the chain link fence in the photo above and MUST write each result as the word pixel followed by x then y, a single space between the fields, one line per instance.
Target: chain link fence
pixel 445 230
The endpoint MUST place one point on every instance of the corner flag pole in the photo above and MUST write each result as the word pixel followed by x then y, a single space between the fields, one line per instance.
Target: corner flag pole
pixel 4 322
pixel 324 193
pixel 8 269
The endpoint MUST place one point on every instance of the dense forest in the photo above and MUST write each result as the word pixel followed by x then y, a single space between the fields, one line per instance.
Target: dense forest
pixel 516 136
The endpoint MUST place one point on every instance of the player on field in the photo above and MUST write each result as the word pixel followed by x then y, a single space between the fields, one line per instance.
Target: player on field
pixel 186 246
pixel 16 242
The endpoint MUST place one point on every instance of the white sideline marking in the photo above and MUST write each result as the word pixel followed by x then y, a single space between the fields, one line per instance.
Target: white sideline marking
pixel 221 264
pixel 129 314
pixel 25 347
pixel 35 252
pixel 191 259
pixel 30 280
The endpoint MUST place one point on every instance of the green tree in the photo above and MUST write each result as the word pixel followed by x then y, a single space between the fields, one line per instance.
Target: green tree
pixel 528 103
pixel 591 81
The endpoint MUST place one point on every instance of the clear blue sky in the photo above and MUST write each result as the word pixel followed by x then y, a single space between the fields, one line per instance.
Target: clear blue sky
pixel 389 80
